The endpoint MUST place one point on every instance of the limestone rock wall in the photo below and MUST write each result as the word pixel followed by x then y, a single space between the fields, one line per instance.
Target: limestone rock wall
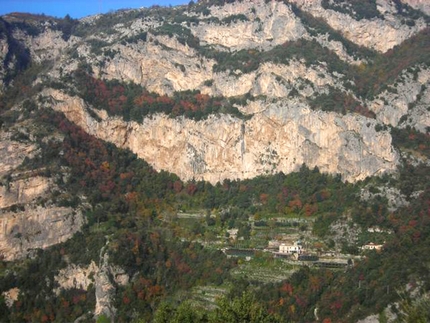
pixel 23 191
pixel 407 102
pixel 422 5
pixel 46 46
pixel 180 69
pixel 104 277
pixel 281 137
pixel 36 227
pixel 13 153
pixel 76 277
pixel 159 70
pixel 379 34
pixel 4 49
pixel 268 25
pixel 25 224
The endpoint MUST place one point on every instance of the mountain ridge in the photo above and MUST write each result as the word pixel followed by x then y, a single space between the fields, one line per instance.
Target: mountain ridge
pixel 167 59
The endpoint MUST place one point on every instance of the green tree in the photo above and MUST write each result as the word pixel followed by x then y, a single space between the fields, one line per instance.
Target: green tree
pixel 415 311
pixel 243 309
pixel 103 319
pixel 164 313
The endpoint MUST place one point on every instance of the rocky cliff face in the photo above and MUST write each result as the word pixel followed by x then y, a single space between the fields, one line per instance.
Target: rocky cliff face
pixel 422 5
pixel 76 277
pixel 31 228
pixel 4 49
pixel 104 277
pixel 280 138
pixel 379 34
pixel 266 25
pixel 181 68
pixel 281 134
pixel 13 153
pixel 26 223
pixel 406 103
pixel 23 191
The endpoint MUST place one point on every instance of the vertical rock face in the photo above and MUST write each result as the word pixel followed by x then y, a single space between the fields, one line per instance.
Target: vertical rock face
pixel 26 225
pixel 159 70
pixel 379 34
pixel 103 276
pixel 104 289
pixel 266 25
pixel 422 5
pixel 76 277
pixel 13 153
pixel 407 103
pixel 4 49
pixel 280 138
pixel 45 46
pixel 33 228
pixel 23 191
pixel 11 296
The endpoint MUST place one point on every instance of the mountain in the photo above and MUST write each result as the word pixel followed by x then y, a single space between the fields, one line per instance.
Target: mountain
pixel 114 126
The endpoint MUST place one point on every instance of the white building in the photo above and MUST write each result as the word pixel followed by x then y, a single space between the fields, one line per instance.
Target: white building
pixel 289 249
pixel 372 246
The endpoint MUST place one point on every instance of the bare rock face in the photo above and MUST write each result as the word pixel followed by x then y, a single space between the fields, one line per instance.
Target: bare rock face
pixel 23 191
pixel 25 224
pixel 422 5
pixel 378 34
pixel 104 277
pixel 76 277
pixel 336 47
pixel 266 25
pixel 34 228
pixel 159 70
pixel 406 103
pixel 280 138
pixel 45 46
pixel 4 49
pixel 104 289
pixel 13 153
pixel 181 68
pixel 393 195
pixel 11 296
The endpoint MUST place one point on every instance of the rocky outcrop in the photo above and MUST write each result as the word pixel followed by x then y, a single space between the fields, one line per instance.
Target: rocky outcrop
pixel 406 102
pixel 75 277
pixel 4 49
pixel 25 223
pixel 23 191
pixel 104 277
pixel 378 34
pixel 79 277
pixel 46 46
pixel 181 68
pixel 159 70
pixel 105 290
pixel 23 230
pixel 337 48
pixel 280 138
pixel 266 25
pixel 422 5
pixel 394 196
pixel 13 153
pixel 11 296
pixel 343 233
